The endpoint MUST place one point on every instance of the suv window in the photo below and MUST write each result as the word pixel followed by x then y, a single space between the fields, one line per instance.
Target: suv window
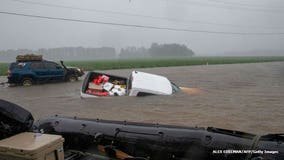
pixel 37 65
pixel 17 65
pixel 51 65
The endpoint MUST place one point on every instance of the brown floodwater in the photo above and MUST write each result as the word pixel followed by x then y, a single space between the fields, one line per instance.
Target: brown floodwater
pixel 244 97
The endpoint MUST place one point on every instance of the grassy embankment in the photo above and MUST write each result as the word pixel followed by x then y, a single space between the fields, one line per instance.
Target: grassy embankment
pixel 166 62
pixel 3 69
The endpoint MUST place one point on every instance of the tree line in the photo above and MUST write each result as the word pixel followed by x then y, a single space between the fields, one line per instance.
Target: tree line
pixel 81 53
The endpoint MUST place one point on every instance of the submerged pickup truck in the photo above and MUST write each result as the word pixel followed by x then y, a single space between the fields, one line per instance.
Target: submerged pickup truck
pixel 138 84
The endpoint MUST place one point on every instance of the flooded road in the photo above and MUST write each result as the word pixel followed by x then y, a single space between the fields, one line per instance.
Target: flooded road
pixel 245 97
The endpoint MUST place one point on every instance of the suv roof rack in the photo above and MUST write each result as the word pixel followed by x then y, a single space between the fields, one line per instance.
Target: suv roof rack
pixel 29 57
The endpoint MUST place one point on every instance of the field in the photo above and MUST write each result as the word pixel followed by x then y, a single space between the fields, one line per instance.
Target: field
pixel 166 62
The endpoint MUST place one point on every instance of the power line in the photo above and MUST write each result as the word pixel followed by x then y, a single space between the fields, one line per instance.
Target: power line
pixel 230 7
pixel 142 26
pixel 77 8
pixel 139 15
pixel 244 4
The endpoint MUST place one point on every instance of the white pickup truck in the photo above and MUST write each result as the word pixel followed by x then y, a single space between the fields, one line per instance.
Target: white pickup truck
pixel 138 84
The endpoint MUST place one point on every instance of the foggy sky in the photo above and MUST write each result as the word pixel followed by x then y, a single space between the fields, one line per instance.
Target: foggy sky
pixel 241 16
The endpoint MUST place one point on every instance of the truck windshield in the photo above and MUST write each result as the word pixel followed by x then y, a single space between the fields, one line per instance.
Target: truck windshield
pixel 175 88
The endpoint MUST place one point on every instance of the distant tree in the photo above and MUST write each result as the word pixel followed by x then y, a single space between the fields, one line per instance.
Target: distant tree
pixel 156 50
pixel 133 52
pixel 170 50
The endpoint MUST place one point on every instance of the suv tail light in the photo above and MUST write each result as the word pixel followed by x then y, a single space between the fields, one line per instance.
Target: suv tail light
pixel 9 73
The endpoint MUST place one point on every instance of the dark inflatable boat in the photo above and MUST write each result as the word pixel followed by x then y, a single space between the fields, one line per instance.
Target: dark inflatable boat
pixel 164 142
pixel 94 139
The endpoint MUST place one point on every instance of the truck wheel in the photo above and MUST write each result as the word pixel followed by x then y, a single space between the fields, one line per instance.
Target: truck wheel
pixel 72 78
pixel 26 82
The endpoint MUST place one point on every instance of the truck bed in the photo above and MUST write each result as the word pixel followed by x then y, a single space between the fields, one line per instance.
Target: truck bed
pixel 93 75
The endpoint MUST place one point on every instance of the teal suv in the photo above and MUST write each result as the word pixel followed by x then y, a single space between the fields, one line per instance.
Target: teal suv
pixel 28 73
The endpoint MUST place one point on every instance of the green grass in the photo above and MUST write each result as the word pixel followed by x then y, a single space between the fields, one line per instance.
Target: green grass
pixel 148 63
pixel 3 68
pixel 165 62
